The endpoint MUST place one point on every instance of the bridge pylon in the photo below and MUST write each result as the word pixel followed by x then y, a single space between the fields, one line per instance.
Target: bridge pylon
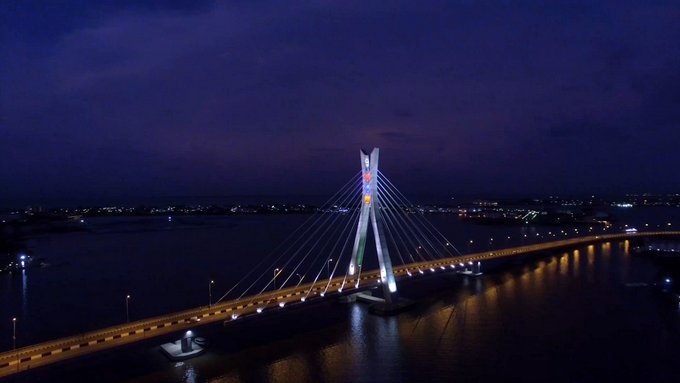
pixel 370 209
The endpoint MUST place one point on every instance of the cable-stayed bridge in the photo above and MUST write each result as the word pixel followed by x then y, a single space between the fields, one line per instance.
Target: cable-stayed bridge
pixel 330 255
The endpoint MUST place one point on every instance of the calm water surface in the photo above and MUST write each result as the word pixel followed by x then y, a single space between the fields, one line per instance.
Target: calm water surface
pixel 569 316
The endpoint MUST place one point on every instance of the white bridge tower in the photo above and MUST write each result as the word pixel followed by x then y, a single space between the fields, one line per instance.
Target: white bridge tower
pixel 370 207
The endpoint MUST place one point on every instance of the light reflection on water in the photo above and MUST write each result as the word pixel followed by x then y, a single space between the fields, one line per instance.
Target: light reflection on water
pixel 535 321
pixel 526 323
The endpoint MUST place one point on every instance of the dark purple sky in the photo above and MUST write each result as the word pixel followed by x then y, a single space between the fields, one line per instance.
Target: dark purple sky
pixel 277 97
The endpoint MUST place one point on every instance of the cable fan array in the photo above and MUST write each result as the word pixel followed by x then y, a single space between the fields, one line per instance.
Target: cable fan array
pixel 320 249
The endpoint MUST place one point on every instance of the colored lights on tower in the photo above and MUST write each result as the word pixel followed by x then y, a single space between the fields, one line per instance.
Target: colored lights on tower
pixel 367 187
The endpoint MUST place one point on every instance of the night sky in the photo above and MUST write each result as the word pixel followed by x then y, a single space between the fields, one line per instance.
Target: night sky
pixel 277 97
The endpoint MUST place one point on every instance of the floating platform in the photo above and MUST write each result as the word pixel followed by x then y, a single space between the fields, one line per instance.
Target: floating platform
pixel 470 273
pixel 173 350
pixel 394 308
pixel 368 298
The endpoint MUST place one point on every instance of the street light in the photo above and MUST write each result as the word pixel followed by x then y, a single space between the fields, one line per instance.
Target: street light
pixel 127 308
pixel 210 293
pixel 14 334
pixel 276 272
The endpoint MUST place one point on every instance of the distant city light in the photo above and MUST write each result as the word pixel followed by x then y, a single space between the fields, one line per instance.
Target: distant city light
pixel 625 204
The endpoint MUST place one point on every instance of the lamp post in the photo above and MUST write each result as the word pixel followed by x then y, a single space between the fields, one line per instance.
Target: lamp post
pixel 127 308
pixel 212 282
pixel 276 272
pixel 14 334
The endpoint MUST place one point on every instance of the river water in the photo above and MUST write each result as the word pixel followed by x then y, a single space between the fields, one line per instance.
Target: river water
pixel 584 315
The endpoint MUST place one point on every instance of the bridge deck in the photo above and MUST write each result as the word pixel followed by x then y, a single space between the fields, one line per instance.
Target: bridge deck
pixel 69 347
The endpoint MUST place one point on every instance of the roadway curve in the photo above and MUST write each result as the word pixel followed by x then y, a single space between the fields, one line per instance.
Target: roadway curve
pixel 44 353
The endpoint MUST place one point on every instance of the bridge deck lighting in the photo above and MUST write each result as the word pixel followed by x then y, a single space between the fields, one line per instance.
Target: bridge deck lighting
pixel 259 310
pixel 442 267
pixel 324 293
pixel 431 269
pixel 281 304
pixel 234 316
pixel 452 266
pixel 421 271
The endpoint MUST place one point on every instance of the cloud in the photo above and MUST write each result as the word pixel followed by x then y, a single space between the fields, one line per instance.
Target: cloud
pixel 265 93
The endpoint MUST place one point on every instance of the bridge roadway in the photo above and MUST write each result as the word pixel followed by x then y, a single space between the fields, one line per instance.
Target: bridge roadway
pixel 49 352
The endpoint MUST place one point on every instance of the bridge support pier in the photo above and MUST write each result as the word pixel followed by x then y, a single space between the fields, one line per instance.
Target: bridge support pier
pixel 182 349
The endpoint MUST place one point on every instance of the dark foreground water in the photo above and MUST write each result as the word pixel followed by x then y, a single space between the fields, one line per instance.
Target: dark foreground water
pixel 583 315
